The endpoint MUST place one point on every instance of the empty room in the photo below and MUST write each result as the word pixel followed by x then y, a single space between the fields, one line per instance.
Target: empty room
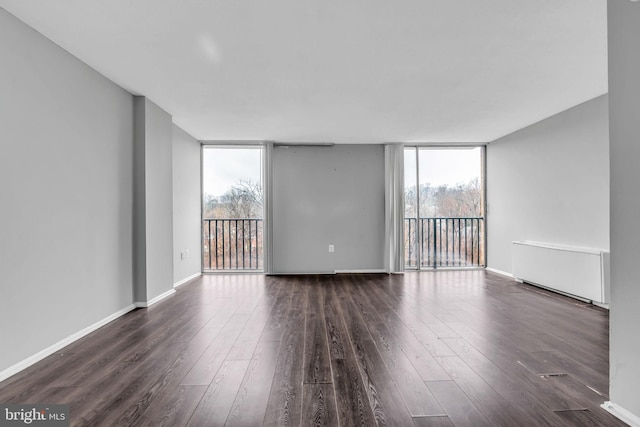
pixel 287 213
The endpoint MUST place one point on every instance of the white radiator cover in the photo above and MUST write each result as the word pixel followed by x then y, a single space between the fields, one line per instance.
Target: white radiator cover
pixel 576 271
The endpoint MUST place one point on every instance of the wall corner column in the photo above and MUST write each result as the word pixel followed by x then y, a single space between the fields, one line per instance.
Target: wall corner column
pixel 624 131
pixel 153 203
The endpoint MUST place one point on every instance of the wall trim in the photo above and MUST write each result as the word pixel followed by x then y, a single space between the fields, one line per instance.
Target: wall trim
pixel 12 370
pixel 600 304
pixel 330 273
pixel 500 272
pixel 187 279
pixel 302 273
pixel 622 414
pixel 362 271
pixel 146 304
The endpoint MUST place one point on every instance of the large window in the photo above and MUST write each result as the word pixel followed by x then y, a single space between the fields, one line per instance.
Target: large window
pixel 444 207
pixel 232 208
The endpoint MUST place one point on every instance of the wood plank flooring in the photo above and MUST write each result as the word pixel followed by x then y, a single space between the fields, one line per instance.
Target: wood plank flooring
pixel 447 348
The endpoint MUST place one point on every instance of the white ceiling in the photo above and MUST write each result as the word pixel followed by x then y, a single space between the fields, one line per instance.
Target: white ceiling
pixel 350 71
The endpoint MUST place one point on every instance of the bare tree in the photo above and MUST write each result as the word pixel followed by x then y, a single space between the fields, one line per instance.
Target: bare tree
pixel 243 200
pixel 460 201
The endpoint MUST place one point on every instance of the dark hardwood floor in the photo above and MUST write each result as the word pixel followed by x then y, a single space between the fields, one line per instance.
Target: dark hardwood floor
pixel 448 348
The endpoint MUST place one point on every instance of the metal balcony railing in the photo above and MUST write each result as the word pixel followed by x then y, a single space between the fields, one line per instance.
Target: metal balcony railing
pixel 444 242
pixel 232 244
pixel 236 243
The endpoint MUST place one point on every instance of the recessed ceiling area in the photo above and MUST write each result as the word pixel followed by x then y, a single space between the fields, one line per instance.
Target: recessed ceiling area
pixel 357 71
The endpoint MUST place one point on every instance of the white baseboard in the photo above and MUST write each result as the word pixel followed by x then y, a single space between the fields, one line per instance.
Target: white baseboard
pixel 556 291
pixel 12 370
pixel 311 273
pixel 362 271
pixel 500 272
pixel 622 414
pixel 308 273
pixel 600 304
pixel 187 279
pixel 146 304
pixel 504 273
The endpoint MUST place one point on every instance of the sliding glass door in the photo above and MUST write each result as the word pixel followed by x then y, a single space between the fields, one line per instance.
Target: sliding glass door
pixel 232 208
pixel 444 207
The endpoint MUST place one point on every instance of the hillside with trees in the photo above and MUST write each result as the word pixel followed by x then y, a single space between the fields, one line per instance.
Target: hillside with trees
pixel 243 200
pixel 444 201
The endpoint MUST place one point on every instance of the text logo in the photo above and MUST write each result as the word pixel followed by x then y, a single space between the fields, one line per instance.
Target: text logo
pixel 34 415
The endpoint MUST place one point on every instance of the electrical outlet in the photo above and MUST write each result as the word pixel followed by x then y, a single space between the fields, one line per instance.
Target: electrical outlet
pixel 186 253
pixel 332 248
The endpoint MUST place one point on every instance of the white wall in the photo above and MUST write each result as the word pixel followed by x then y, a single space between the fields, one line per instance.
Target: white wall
pixel 328 195
pixel 66 172
pixel 186 205
pixel 624 98
pixel 549 182
pixel 153 206
pixel 139 201
pixel 159 198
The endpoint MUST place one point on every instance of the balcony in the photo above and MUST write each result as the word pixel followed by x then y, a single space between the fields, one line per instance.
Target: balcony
pixel 235 244
pixel 444 242
pixel 232 244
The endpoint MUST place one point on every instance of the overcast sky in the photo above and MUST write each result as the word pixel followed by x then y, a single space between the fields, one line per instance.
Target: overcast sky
pixel 443 167
pixel 224 167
